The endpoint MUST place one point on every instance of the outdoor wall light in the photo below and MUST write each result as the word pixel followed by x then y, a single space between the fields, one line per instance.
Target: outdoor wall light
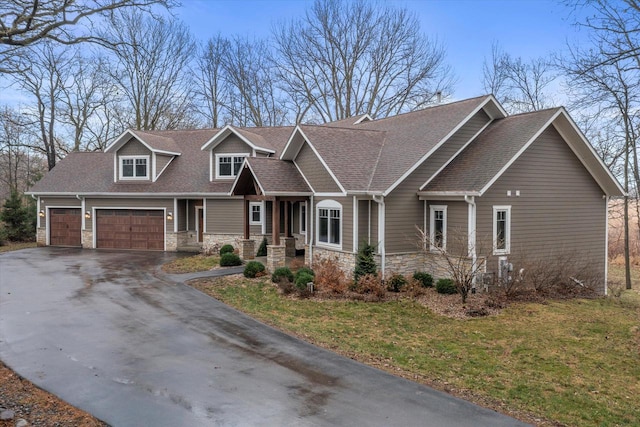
pixel 87 215
pixel 41 213
pixel 170 216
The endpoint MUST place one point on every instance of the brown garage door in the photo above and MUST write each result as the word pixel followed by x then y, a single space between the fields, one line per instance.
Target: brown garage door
pixel 130 229
pixel 64 227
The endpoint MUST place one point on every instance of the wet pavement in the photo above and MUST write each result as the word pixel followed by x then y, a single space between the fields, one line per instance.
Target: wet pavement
pixel 110 334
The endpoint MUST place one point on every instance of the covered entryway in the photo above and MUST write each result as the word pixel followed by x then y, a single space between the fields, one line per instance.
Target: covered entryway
pixel 65 226
pixel 130 229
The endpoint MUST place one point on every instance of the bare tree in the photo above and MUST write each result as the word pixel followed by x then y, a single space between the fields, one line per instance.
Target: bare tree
pixel 212 88
pixel 152 58
pixel 28 22
pixel 520 86
pixel 348 58
pixel 254 99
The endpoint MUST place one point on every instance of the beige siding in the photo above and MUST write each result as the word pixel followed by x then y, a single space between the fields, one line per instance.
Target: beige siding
pixel 182 215
pixel 134 148
pixel 224 216
pixel 560 208
pixel 363 222
pixel 232 144
pixel 59 201
pixel 166 204
pixel 161 162
pixel 315 172
pixel 403 210
pixel 347 220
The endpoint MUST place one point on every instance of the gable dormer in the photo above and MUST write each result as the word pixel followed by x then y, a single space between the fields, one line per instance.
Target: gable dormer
pixel 228 149
pixel 141 156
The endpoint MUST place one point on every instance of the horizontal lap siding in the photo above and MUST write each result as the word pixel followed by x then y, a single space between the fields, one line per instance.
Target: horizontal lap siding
pixel 143 204
pixel 232 144
pixel 314 171
pixel 403 210
pixel 161 162
pixel 363 221
pixel 59 201
pixel 457 224
pixel 224 216
pixel 560 208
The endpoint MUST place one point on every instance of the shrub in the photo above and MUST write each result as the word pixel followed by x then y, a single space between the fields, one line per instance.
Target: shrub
pixel 371 286
pixel 302 280
pixel 425 279
pixel 230 259
pixel 446 286
pixel 226 249
pixel 329 276
pixel 253 269
pixel 305 270
pixel 396 282
pixel 262 249
pixel 414 289
pixel 282 273
pixel 365 264
pixel 19 220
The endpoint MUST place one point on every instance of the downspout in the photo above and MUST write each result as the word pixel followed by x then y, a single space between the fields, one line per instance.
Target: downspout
pixel 381 234
pixel 606 242
pixel 471 232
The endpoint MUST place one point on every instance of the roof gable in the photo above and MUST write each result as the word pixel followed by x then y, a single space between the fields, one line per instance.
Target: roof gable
pixel 271 176
pixel 154 142
pixel 254 141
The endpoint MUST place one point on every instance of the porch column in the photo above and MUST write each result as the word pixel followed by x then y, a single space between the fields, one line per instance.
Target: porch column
pixel 246 219
pixel 275 222
pixel 286 219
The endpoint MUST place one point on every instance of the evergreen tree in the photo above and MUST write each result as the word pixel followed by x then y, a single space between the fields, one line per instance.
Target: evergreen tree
pixel 365 263
pixel 19 224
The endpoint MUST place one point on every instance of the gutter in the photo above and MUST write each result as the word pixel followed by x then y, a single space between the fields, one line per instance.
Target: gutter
pixel 379 199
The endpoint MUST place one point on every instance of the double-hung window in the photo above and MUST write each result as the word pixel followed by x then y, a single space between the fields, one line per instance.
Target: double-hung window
pixel 228 165
pixel 329 214
pixel 501 230
pixel 438 227
pixel 255 213
pixel 134 167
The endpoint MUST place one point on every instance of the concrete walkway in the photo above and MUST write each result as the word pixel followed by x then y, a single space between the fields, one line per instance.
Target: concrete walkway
pixel 104 332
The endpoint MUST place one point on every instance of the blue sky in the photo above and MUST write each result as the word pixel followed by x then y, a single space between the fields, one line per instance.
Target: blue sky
pixel 467 28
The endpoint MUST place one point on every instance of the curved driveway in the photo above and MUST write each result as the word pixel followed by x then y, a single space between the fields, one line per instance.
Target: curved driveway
pixel 107 332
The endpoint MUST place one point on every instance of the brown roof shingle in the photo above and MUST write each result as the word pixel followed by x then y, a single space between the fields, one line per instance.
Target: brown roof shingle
pixel 277 176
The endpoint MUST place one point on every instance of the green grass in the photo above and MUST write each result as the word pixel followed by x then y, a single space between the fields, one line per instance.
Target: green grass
pixel 191 264
pixel 575 362
pixel 15 246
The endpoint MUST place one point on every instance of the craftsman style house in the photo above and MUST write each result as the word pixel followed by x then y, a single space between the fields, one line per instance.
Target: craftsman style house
pixel 530 184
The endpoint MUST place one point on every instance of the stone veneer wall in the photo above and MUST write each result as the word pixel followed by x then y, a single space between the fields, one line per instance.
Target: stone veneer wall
pixel 346 260
pixel 171 242
pixel 87 239
pixel 41 236
pixel 213 241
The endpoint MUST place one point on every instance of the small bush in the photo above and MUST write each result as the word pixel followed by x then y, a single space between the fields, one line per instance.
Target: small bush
pixel 302 280
pixel 371 286
pixel 365 263
pixel 230 259
pixel 305 270
pixel 282 273
pixel 396 282
pixel 414 289
pixel 446 286
pixel 253 269
pixel 329 276
pixel 262 249
pixel 425 279
pixel 226 249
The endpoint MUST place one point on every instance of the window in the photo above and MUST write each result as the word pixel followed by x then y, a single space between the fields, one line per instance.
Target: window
pixel 501 230
pixel 228 165
pixel 303 217
pixel 329 223
pixel 255 213
pixel 437 227
pixel 132 167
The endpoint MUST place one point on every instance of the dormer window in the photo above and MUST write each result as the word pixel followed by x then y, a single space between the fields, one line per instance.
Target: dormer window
pixel 228 165
pixel 134 167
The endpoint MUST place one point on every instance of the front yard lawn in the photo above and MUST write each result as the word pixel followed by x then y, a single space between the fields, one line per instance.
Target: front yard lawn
pixel 191 264
pixel 573 362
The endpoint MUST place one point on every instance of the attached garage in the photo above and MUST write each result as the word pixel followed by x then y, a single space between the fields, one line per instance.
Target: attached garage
pixel 65 226
pixel 130 229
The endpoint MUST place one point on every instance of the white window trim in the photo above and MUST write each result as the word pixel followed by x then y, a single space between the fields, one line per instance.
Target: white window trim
pixel 331 205
pixel 261 206
pixel 507 231
pixel 303 219
pixel 217 164
pixel 432 221
pixel 133 178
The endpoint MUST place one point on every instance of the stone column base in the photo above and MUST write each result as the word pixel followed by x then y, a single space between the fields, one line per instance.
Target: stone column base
pixel 275 257
pixel 290 246
pixel 247 249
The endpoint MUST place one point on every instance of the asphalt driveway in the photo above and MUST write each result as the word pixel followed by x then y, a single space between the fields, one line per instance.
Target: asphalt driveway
pixel 110 334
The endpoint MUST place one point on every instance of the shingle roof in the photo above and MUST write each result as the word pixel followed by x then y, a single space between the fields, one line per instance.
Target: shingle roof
pixel 157 142
pixel 474 168
pixel 277 176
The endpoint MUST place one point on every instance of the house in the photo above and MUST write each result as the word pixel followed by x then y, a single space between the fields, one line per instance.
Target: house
pixel 528 185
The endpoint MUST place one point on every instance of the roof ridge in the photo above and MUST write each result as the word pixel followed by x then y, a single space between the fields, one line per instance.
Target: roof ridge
pixel 544 110
pixel 358 129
